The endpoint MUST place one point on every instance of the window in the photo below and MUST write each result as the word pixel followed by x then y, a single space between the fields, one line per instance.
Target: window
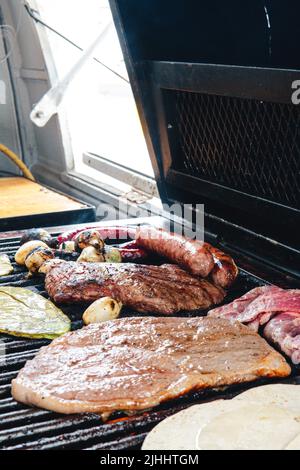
pixel 100 108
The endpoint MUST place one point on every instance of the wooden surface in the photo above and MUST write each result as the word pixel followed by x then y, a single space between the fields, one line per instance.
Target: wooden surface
pixel 20 197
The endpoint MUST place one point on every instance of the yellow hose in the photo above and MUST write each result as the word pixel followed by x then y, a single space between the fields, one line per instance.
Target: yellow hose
pixel 13 157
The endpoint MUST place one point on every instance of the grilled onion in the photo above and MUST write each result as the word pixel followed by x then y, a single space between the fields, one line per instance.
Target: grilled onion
pixel 102 310
pixel 89 238
pixel 37 258
pixel 27 248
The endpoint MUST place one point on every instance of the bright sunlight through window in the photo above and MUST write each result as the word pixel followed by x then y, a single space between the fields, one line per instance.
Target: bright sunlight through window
pixel 101 111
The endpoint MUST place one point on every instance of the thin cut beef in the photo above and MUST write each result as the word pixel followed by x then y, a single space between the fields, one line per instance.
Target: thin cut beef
pixel 134 364
pixel 163 289
pixel 265 307
pixel 278 309
pixel 254 308
pixel 284 330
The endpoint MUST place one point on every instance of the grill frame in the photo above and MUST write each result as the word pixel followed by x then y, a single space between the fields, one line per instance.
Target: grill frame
pixel 241 84
pixel 23 428
pixel 211 127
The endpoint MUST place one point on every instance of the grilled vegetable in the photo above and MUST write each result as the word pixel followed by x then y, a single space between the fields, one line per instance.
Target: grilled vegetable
pixel 36 234
pixel 67 247
pixel 5 266
pixel 91 255
pixel 26 314
pixel 36 258
pixel 112 255
pixel 25 249
pixel 130 251
pixel 89 238
pixel 102 310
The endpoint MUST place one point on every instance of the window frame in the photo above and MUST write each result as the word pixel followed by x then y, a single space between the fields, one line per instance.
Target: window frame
pixel 103 166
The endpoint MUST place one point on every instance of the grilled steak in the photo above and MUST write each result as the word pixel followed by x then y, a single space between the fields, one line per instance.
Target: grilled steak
pixel 284 330
pixel 199 258
pixel 163 289
pixel 134 364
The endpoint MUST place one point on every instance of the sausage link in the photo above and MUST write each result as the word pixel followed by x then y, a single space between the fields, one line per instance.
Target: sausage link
pixel 192 255
pixel 225 270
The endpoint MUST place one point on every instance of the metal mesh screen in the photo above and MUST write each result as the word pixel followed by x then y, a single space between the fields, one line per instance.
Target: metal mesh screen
pixel 243 144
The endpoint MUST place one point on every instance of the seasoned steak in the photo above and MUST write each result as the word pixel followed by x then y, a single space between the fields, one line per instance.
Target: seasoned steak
pixel 134 364
pixel 163 289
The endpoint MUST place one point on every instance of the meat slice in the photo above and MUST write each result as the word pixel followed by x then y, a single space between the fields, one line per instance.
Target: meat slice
pixel 284 330
pixel 265 307
pixel 278 309
pixel 134 364
pixel 254 308
pixel 197 257
pixel 163 289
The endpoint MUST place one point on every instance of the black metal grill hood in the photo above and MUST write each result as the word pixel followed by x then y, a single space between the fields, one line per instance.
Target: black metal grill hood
pixel 213 85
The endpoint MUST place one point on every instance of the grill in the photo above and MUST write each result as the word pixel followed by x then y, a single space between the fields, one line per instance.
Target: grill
pixel 220 134
pixel 247 145
pixel 22 427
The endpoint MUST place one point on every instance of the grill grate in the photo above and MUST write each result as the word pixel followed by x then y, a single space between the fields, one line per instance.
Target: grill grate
pixel 22 427
pixel 243 144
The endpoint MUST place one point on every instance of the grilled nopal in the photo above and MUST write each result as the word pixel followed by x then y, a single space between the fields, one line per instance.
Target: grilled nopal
pixel 133 364
pixel 26 314
pixel 163 289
